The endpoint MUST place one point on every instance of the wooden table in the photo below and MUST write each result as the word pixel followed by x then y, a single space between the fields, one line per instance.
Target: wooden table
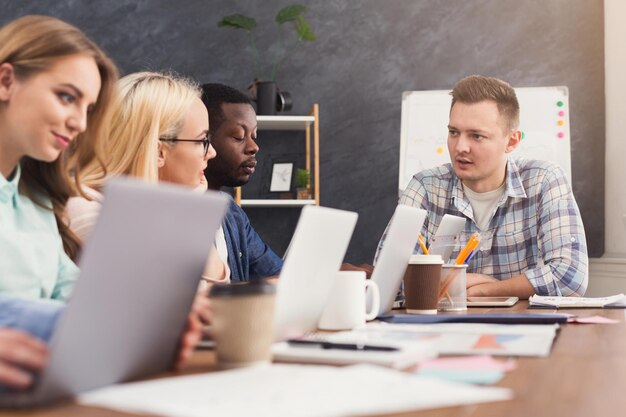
pixel 585 375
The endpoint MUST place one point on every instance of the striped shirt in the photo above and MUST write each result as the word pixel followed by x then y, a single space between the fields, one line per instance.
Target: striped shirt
pixel 535 229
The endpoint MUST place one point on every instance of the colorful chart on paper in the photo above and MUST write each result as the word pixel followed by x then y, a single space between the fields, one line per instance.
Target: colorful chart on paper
pixel 460 338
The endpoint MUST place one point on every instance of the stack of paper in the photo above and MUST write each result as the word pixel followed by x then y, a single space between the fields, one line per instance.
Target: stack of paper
pixel 290 391
pixel 578 302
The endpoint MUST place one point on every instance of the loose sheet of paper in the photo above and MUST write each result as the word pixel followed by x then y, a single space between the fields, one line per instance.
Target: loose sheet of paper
pixel 592 320
pixel 290 391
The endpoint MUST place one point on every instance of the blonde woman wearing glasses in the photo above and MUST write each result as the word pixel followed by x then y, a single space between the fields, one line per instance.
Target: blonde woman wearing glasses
pixel 160 132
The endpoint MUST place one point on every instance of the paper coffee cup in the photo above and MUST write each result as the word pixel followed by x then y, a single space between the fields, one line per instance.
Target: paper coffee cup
pixel 421 284
pixel 243 327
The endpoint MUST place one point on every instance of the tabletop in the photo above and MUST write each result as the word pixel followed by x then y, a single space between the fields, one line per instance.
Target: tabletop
pixel 584 375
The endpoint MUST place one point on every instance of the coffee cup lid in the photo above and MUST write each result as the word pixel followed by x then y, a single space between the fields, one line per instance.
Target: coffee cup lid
pixel 253 287
pixel 426 259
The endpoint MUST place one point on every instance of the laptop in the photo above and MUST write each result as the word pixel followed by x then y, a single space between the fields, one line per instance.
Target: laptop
pixel 447 237
pixel 404 228
pixel 139 274
pixel 315 254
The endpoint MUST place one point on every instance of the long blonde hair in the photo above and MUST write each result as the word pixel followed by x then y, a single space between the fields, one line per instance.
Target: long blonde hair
pixel 32 44
pixel 149 106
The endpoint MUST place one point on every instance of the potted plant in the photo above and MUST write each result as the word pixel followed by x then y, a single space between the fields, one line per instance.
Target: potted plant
pixel 303 187
pixel 269 99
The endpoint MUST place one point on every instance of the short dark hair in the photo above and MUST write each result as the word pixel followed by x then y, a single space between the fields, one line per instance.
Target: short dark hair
pixel 214 95
pixel 477 88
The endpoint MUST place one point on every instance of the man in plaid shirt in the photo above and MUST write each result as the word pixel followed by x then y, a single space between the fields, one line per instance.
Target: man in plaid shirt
pixel 532 236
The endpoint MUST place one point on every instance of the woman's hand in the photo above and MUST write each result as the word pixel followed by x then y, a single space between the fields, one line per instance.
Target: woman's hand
pixel 202 309
pixel 189 341
pixel 19 354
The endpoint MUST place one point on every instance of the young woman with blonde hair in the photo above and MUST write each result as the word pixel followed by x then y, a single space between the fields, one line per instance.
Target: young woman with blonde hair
pixel 56 87
pixel 160 132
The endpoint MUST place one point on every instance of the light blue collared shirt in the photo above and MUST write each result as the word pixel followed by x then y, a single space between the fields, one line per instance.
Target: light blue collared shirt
pixel 33 263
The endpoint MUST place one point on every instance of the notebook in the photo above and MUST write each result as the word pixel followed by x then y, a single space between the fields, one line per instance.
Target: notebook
pixel 614 301
pixel 512 318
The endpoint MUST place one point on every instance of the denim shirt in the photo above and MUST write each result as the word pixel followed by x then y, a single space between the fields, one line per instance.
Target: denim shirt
pixel 248 255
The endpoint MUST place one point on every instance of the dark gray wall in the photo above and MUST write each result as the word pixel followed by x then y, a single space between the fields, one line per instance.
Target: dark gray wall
pixel 368 53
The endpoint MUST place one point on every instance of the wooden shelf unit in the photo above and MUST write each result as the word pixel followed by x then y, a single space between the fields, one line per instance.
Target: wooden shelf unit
pixel 312 157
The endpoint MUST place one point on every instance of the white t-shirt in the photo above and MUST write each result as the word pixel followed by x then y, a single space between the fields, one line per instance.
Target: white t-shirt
pixel 484 205
pixel 222 251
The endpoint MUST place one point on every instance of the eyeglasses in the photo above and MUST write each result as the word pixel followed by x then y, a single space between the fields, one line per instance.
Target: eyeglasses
pixel 206 142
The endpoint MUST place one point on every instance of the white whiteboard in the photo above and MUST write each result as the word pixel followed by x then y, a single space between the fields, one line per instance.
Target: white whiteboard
pixel 544 122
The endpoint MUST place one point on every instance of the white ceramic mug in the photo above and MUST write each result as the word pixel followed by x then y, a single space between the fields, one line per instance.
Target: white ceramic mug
pixel 346 307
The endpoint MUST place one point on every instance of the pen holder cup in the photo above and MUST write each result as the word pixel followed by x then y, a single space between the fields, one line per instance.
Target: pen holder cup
pixel 452 289
pixel 448 249
pixel 243 323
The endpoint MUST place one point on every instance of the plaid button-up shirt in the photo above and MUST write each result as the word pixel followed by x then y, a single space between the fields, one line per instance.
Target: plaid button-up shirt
pixel 536 229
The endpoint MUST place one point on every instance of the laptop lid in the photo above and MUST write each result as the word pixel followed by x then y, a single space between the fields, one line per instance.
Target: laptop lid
pixel 139 274
pixel 316 251
pixel 400 243
pixel 446 237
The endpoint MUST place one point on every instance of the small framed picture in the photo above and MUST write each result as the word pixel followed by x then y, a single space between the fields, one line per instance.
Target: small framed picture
pixel 281 177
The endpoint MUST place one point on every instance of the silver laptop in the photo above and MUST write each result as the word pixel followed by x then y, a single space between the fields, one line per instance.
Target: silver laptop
pixel 400 244
pixel 446 237
pixel 316 251
pixel 139 275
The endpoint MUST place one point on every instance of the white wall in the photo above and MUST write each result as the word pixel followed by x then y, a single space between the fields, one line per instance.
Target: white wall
pixel 615 91
pixel 608 274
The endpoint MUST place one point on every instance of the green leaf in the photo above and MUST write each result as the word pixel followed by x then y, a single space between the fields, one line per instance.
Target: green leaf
pixel 304 30
pixel 290 13
pixel 302 178
pixel 238 21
